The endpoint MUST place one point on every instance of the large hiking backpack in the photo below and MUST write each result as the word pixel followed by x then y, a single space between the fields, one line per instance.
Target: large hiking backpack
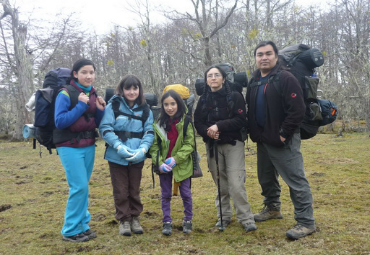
pixel 238 81
pixel 301 61
pixel 45 105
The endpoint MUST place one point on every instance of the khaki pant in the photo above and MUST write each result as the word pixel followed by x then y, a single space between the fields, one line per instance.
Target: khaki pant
pixel 231 163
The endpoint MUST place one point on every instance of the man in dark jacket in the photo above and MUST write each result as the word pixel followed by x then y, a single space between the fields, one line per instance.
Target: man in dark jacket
pixel 274 116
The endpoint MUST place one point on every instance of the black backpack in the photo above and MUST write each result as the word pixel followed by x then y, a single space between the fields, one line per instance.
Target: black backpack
pixel 55 80
pixel 301 61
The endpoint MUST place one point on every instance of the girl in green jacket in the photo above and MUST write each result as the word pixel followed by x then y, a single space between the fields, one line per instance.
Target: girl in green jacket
pixel 171 152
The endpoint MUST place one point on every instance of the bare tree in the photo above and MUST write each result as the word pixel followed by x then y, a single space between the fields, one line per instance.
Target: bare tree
pixel 20 66
pixel 207 18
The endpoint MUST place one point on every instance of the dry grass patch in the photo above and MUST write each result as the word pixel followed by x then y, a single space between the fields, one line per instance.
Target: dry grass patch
pixel 33 194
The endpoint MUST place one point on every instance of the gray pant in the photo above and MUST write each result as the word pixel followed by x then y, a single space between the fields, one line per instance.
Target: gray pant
pixel 231 161
pixel 288 163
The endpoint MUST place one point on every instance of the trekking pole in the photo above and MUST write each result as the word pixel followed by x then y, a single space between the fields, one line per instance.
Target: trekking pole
pixel 218 185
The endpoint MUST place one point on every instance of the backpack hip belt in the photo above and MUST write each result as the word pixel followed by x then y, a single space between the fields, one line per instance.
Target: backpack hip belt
pixel 124 135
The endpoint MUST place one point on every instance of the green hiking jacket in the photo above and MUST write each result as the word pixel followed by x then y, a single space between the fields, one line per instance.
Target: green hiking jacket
pixel 181 152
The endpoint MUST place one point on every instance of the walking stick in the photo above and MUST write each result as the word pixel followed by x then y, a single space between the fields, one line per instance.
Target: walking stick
pixel 218 185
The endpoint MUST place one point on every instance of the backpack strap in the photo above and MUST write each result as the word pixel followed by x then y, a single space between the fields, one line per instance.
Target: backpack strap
pixel 275 80
pixel 124 135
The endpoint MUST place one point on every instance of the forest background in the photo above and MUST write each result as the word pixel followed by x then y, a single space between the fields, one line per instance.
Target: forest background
pixel 179 49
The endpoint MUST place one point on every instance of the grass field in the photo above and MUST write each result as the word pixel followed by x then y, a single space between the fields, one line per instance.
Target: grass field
pixel 33 194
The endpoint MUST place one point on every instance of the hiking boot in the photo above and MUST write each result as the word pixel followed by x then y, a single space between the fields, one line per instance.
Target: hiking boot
pixel 268 213
pixel 225 223
pixel 125 228
pixel 187 226
pixel 249 226
pixel 90 234
pixel 299 231
pixel 167 228
pixel 135 226
pixel 76 238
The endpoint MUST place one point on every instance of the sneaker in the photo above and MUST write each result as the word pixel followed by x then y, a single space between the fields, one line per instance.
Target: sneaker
pixel 76 238
pixel 187 226
pixel 167 228
pixel 225 223
pixel 249 226
pixel 135 226
pixel 125 228
pixel 299 231
pixel 267 213
pixel 90 234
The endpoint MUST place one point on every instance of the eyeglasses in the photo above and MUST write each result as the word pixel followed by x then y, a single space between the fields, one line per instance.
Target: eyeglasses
pixel 216 75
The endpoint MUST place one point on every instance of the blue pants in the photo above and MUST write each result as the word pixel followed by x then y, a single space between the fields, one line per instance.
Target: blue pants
pixel 78 164
pixel 185 192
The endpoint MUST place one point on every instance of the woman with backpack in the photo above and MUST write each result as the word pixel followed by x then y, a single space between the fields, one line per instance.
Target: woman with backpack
pixel 219 116
pixel 171 154
pixel 78 112
pixel 127 128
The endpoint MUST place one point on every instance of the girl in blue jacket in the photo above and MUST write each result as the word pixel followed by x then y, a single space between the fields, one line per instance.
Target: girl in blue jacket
pixel 74 138
pixel 127 129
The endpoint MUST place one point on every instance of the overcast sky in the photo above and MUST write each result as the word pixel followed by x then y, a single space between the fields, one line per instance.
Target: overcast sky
pixel 101 16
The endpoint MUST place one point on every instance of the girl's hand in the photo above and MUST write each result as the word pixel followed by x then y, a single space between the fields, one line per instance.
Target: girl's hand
pixel 164 168
pixel 84 98
pixel 100 103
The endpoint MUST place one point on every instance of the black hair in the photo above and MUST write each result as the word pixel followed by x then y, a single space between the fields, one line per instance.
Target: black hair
pixel 127 82
pixel 164 119
pixel 265 43
pixel 274 47
pixel 78 65
pixel 226 83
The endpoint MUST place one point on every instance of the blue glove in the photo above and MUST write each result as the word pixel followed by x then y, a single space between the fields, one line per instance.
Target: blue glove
pixel 138 156
pixel 170 162
pixel 164 168
pixel 124 152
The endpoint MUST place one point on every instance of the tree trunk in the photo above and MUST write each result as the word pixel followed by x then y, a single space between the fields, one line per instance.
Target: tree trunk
pixel 22 70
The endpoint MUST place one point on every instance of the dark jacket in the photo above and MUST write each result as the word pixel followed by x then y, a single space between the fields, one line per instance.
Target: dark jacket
pixel 285 108
pixel 75 127
pixel 212 108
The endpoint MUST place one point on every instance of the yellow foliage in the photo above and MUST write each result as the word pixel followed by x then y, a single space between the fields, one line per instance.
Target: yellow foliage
pixel 143 43
pixel 197 36
pixel 110 62
pixel 253 33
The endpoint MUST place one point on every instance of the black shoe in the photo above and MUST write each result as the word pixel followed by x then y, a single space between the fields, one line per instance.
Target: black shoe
pixel 167 228
pixel 76 238
pixel 90 234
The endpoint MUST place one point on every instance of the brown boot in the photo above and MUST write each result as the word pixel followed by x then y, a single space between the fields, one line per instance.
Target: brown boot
pixel 299 231
pixel 268 213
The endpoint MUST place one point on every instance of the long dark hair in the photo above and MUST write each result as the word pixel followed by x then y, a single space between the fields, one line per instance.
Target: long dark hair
pixel 164 119
pixel 126 83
